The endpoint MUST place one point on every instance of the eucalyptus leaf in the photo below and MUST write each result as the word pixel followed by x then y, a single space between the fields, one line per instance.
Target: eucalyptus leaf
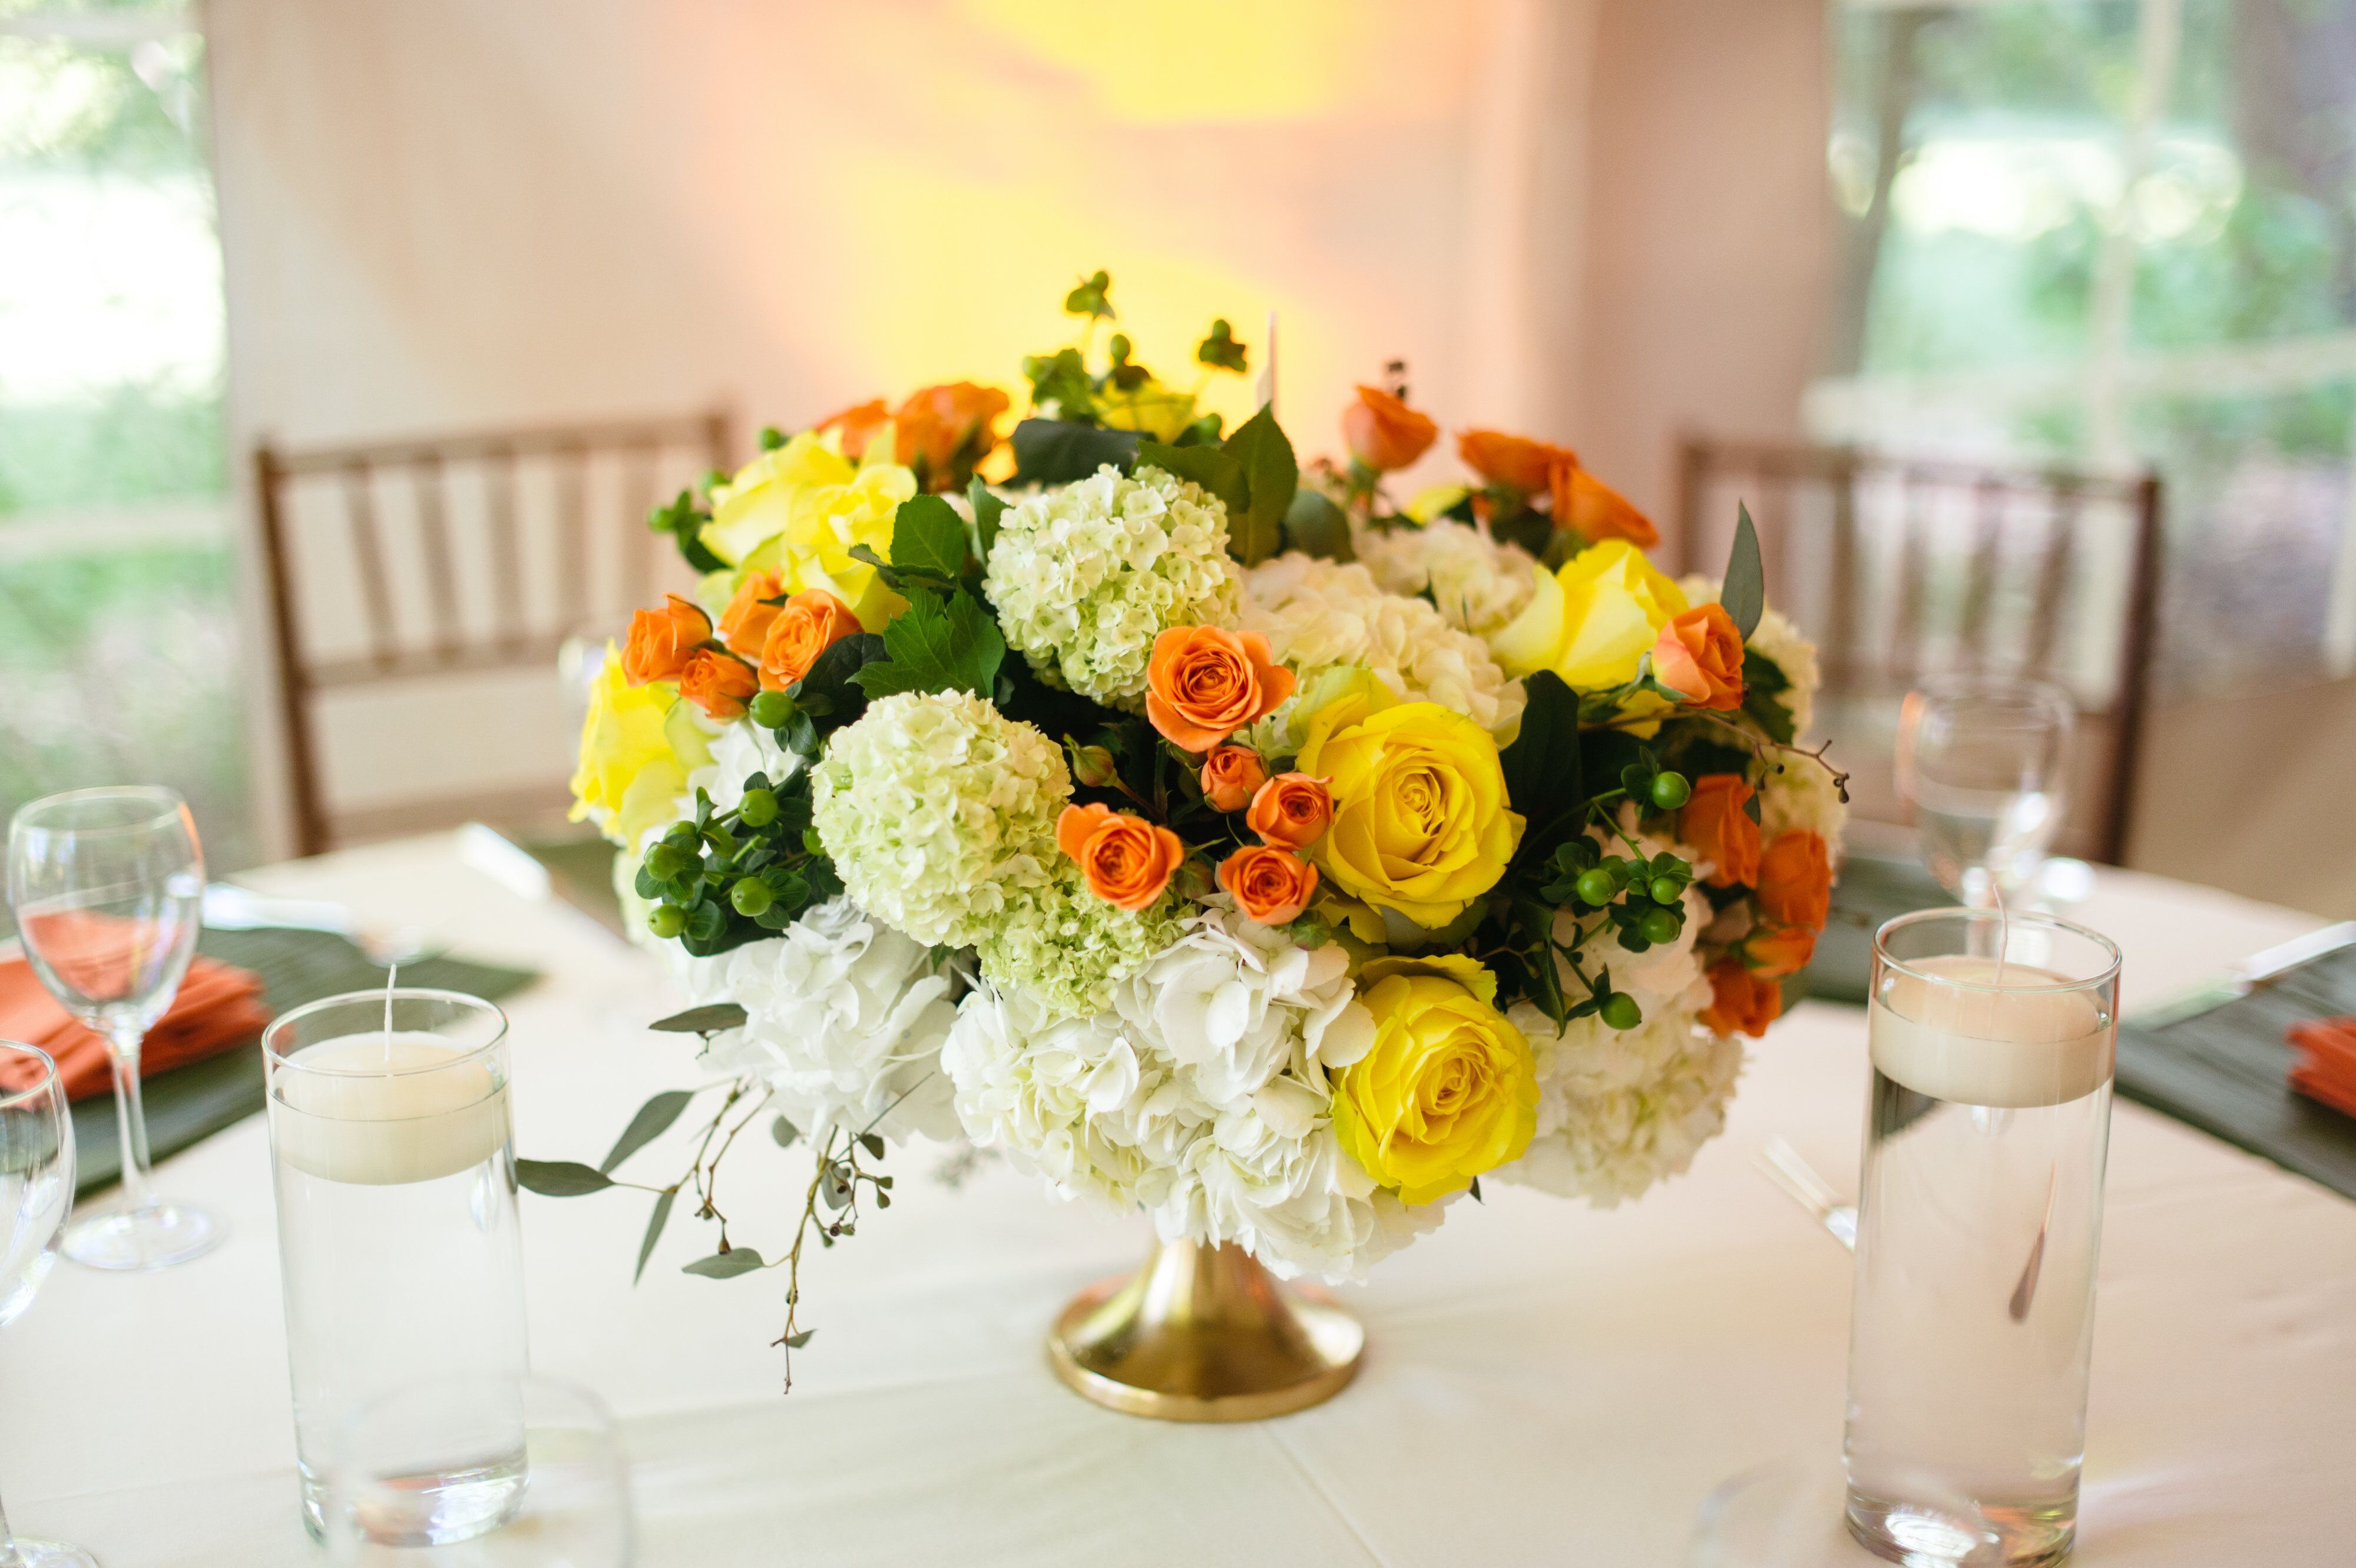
pixel 1744 594
pixel 704 1020
pixel 872 1143
pixel 725 1265
pixel 655 1223
pixel 1315 526
pixel 654 1118
pixel 784 1132
pixel 561 1178
pixel 796 1341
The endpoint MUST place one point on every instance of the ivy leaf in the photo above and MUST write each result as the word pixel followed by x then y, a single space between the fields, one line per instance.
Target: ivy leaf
pixel 1315 526
pixel 1057 451
pixel 725 1265
pixel 655 1223
pixel 1744 595
pixel 1272 474
pixel 987 510
pixel 561 1178
pixel 653 1119
pixel 928 535
pixel 1542 767
pixel 936 645
pixel 708 1020
pixel 1213 467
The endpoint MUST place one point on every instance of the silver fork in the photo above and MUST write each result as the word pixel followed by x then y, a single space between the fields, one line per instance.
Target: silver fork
pixel 1782 1166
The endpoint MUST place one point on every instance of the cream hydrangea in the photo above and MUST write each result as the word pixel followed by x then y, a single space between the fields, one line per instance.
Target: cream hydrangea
pixel 937 811
pixel 1065 949
pixel 1321 613
pixel 1476 583
pixel 1086 576
pixel 1799 793
pixel 844 1020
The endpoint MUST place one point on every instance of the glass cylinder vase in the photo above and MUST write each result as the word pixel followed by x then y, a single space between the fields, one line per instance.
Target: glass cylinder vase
pixel 1979 1216
pixel 397 1234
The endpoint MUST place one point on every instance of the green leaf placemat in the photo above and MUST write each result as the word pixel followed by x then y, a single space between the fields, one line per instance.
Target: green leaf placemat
pixel 193 1102
pixel 2226 1071
pixel 579 872
pixel 1872 888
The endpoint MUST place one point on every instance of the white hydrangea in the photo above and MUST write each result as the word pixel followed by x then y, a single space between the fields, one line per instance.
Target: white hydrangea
pixel 1781 642
pixel 739 751
pixel 844 1017
pixel 1084 577
pixel 1063 948
pixel 1477 582
pixel 1319 614
pixel 937 810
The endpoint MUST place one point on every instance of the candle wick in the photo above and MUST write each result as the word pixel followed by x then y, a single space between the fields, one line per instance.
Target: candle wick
pixel 391 973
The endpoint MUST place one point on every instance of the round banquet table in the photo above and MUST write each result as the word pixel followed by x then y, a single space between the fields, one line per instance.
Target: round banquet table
pixel 1545 1382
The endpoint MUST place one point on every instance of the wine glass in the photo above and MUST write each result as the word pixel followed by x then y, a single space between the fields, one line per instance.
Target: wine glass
pixel 569 1509
pixel 107 886
pixel 1985 760
pixel 36 1183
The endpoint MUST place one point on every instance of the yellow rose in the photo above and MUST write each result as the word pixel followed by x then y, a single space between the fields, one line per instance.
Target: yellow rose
pixel 1148 408
pixel 1450 1088
pixel 1591 621
pixel 801 509
pixel 1420 823
pixel 1431 502
pixel 638 748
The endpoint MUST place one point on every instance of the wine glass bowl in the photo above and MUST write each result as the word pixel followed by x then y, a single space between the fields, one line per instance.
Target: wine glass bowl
pixel 108 889
pixel 1983 761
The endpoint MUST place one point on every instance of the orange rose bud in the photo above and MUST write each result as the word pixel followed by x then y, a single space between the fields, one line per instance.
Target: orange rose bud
pixel 1384 432
pixel 1741 1001
pixel 807 625
pixel 858 424
pixel 1719 829
pixel 1203 684
pixel 1699 653
pixel 661 641
pixel 1795 881
pixel 937 423
pixel 1775 951
pixel 1599 512
pixel 1269 883
pixel 1125 860
pixel 744 624
pixel 719 683
pixel 1514 460
pixel 1230 774
pixel 1292 809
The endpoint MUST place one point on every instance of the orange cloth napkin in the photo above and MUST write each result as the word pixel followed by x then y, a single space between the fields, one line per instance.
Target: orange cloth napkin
pixel 2328 1070
pixel 219 1006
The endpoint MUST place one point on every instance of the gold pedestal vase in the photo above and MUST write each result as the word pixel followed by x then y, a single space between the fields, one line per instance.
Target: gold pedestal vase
pixel 1203 1333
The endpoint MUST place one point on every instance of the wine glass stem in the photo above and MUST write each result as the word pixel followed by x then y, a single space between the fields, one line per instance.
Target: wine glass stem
pixel 8 1558
pixel 130 1121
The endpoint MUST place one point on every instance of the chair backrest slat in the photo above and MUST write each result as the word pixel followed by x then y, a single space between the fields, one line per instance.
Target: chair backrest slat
pixel 441 576
pixel 367 551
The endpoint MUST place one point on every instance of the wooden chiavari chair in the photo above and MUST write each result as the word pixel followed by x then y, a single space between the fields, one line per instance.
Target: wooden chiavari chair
pixel 410 561
pixel 1901 568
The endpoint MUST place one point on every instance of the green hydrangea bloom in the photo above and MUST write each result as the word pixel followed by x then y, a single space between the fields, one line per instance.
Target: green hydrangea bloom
pixel 1065 949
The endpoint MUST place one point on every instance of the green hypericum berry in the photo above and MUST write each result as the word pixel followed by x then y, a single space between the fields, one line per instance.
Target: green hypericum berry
pixel 1659 926
pixel 667 921
pixel 664 861
pixel 683 838
pixel 773 710
pixel 1670 790
pixel 758 809
pixel 1666 890
pixel 1596 887
pixel 1620 1011
pixel 751 897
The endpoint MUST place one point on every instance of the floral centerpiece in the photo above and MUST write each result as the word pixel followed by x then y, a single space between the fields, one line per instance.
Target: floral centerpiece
pixel 1211 836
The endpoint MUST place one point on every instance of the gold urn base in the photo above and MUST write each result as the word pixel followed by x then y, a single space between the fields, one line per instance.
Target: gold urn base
pixel 1205 1334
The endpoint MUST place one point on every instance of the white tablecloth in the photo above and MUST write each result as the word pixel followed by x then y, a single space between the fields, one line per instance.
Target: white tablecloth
pixel 1545 1383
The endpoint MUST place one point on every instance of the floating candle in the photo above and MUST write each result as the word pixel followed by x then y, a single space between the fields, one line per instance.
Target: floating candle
pixel 1955 1032
pixel 378 1109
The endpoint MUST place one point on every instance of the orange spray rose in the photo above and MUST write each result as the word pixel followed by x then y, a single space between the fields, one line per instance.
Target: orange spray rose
pixel 1230 774
pixel 1740 1001
pixel 1125 860
pixel 720 684
pixel 1203 684
pixel 1269 883
pixel 1383 432
pixel 744 624
pixel 937 422
pixel 1292 809
pixel 1715 823
pixel 1514 460
pixel 1599 512
pixel 807 625
pixel 1796 880
pixel 858 424
pixel 1773 951
pixel 661 641
pixel 1699 653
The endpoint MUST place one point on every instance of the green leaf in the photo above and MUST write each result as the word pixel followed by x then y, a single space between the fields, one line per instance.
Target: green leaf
pixel 1274 474
pixel 561 1178
pixel 655 1223
pixel 1542 767
pixel 725 1265
pixel 928 535
pixel 1057 451
pixel 796 1341
pixel 1771 715
pixel 784 1132
pixel 1744 595
pixel 1761 673
pixel 654 1118
pixel 1315 526
pixel 872 1143
pixel 936 646
pixel 1213 467
pixel 987 510
pixel 708 1020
